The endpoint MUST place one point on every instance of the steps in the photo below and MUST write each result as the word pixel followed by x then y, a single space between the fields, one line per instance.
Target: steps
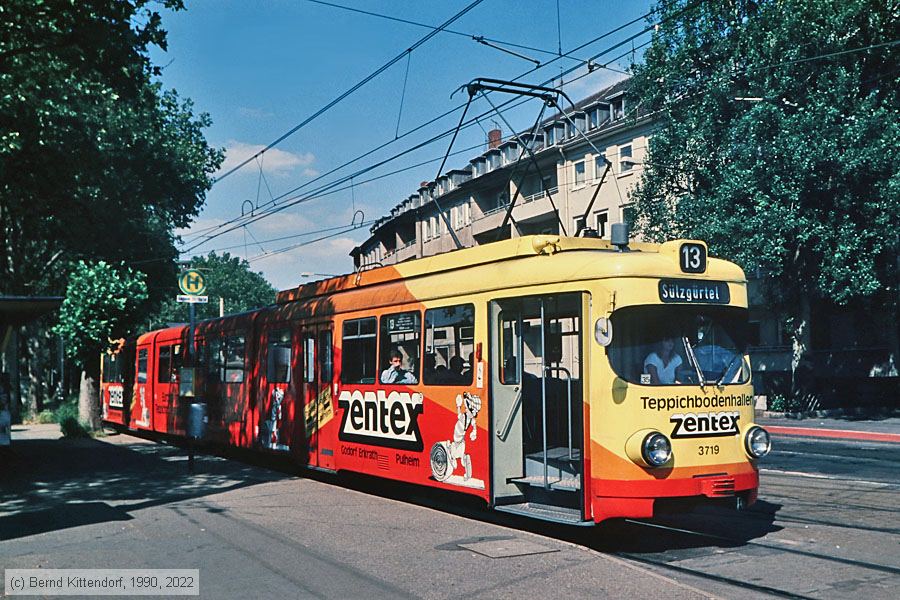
pixel 546 512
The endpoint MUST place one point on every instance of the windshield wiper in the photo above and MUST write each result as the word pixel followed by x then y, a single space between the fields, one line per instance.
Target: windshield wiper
pixel 689 350
pixel 727 368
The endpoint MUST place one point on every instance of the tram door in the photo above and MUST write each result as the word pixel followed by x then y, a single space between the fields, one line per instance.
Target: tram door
pixel 536 394
pixel 318 408
pixel 277 396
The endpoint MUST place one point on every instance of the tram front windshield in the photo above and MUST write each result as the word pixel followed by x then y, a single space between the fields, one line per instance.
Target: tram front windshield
pixel 680 345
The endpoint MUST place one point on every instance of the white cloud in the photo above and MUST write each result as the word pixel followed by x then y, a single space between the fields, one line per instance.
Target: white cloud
pixel 254 113
pixel 592 82
pixel 274 161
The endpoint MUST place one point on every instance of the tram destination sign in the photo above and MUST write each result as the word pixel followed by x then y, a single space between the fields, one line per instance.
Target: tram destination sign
pixel 691 291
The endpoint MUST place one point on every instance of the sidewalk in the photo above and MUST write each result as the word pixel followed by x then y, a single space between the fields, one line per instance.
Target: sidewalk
pixel 872 430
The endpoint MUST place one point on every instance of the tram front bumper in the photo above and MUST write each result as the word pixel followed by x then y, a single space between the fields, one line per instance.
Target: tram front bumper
pixel 640 499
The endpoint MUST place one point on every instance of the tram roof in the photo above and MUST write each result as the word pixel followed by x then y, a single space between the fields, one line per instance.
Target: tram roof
pixel 642 260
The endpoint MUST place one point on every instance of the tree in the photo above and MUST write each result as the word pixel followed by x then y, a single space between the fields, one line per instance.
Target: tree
pixel 778 145
pixel 101 304
pixel 97 161
pixel 228 277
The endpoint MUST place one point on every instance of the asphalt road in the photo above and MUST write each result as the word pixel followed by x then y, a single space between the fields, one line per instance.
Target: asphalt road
pixel 825 527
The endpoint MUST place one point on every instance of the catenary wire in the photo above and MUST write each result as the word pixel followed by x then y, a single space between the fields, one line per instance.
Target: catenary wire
pixel 358 85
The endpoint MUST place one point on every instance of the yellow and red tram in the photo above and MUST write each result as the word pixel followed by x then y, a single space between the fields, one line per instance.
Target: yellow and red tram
pixel 566 379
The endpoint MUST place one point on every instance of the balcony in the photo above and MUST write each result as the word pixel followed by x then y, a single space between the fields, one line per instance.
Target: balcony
pixel 489 221
pixel 406 252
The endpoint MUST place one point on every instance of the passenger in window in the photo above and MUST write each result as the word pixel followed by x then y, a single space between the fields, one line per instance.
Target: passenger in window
pixel 662 364
pixel 467 374
pixel 456 369
pixel 395 373
pixel 430 367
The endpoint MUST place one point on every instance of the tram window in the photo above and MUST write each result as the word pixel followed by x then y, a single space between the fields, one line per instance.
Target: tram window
pixel 235 346
pixel 164 364
pixel 358 346
pixel 449 345
pixel 278 357
pixel 142 366
pixel 177 362
pixel 112 369
pixel 679 342
pixel 326 364
pixel 400 334
pixel 309 358
pixel 215 359
pixel 510 343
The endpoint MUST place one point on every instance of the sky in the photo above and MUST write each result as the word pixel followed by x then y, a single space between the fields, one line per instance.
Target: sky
pixel 260 68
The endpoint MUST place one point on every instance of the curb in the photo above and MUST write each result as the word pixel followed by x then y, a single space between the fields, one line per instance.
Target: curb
pixel 845 434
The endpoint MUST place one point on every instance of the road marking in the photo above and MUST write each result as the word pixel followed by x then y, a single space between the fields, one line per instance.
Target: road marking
pixel 846 434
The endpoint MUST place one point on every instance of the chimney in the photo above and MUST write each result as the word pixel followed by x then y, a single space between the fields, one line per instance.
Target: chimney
pixel 495 136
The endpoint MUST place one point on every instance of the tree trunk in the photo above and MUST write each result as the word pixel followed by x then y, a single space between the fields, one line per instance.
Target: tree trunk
pixel 89 401
pixel 801 358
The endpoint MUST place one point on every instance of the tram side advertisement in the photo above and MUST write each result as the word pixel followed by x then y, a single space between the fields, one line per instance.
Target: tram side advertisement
pixel 404 435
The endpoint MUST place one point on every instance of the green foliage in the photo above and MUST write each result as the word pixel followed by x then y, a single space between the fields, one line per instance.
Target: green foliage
pixel 100 305
pixel 46 416
pixel 802 185
pixel 67 410
pixel 71 427
pixel 227 277
pixel 97 161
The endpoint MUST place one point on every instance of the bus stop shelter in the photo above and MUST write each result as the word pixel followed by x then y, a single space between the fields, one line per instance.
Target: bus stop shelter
pixel 16 311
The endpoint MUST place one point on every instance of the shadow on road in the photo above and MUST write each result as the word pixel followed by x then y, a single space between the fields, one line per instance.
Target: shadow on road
pixel 703 527
pixel 53 484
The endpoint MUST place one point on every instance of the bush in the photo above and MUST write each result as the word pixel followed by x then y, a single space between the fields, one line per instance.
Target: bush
pixel 785 403
pixel 67 410
pixel 45 416
pixel 71 427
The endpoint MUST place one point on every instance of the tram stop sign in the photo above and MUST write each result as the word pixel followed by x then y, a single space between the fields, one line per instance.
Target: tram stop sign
pixel 193 284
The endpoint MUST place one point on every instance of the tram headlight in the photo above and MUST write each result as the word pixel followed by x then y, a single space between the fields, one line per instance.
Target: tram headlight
pixel 656 450
pixel 757 442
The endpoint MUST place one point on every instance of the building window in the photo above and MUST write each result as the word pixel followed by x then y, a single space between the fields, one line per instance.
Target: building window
pixel 600 220
pixel 599 166
pixel 580 224
pixel 449 345
pixel 625 163
pixel 579 173
pixel 278 357
pixel 358 351
pixel 550 134
pixel 617 108
pixel 400 335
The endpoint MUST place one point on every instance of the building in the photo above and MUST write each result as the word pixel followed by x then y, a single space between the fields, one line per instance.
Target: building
pixel 552 189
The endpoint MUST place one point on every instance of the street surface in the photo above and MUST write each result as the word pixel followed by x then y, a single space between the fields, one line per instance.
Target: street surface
pixel 826 526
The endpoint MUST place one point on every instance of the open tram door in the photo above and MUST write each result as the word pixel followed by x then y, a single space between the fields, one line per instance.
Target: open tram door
pixel 537 352
pixel 318 405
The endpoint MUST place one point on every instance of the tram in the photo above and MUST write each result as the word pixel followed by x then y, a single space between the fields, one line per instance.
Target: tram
pixel 566 379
